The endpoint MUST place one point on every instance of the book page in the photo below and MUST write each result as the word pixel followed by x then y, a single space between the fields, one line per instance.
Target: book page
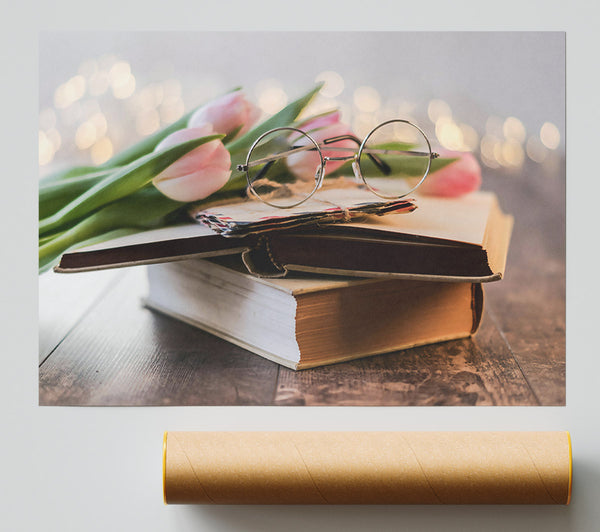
pixel 462 220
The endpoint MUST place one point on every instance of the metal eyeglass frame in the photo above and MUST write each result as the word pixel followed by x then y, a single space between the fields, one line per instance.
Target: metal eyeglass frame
pixel 373 154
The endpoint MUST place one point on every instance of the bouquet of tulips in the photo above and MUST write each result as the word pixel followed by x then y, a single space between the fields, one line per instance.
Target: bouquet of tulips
pixel 152 183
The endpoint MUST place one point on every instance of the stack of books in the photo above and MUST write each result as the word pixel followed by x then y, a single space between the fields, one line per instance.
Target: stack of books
pixel 312 295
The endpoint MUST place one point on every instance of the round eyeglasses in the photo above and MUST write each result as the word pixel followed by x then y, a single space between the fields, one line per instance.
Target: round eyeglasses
pixel 286 166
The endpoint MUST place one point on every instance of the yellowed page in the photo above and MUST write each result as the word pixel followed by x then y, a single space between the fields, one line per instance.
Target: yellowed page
pixel 459 219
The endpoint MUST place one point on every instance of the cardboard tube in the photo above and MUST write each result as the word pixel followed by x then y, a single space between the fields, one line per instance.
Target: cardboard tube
pixel 367 467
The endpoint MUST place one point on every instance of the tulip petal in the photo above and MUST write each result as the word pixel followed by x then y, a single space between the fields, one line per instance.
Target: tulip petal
pixel 323 121
pixel 183 135
pixel 457 179
pixel 194 186
pixel 227 114
pixel 196 176
pixel 191 162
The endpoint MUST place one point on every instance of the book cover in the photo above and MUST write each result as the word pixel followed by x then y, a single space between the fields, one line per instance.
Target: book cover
pixel 463 239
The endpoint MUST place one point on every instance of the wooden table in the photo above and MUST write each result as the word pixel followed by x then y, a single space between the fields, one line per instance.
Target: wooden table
pixel 100 346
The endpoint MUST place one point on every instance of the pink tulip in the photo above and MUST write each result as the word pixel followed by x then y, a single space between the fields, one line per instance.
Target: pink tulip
pixel 197 174
pixel 456 179
pixel 305 164
pixel 226 114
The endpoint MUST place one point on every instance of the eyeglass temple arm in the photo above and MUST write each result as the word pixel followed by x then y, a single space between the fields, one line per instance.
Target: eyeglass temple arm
pixel 262 171
pixel 377 161
pixel 273 158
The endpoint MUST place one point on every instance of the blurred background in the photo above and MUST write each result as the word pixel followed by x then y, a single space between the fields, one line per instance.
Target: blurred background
pixel 500 95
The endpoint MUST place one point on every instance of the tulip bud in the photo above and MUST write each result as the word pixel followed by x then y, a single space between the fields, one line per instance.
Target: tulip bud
pixel 226 114
pixel 304 164
pixel 456 179
pixel 197 174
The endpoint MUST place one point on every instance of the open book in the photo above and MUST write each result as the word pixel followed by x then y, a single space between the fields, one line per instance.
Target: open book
pixel 463 239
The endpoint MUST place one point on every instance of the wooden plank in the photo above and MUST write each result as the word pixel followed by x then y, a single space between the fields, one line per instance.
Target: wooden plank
pixel 122 353
pixel 63 300
pixel 528 306
pixel 478 371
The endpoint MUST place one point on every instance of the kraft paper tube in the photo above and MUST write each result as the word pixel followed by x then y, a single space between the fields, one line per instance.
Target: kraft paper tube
pixel 367 467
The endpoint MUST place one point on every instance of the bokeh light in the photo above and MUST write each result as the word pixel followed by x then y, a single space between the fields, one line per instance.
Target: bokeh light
pixel 102 107
pixel 449 134
pixel 125 88
pixel 102 150
pixel 363 123
pixel 438 109
pixel 512 153
pixel 47 119
pixel 45 149
pixel 85 135
pixel 536 151
pixel 470 137
pixel 98 120
pixel 514 129
pixel 171 111
pixel 488 149
pixel 334 83
pixel 147 122
pixel 550 136
pixel 271 96
pixel 367 99
pixel 122 81
pixel 54 137
pixel 99 83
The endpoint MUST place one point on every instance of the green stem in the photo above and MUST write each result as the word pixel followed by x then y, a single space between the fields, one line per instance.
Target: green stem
pixel 55 195
pixel 120 184
pixel 142 210
pixel 75 171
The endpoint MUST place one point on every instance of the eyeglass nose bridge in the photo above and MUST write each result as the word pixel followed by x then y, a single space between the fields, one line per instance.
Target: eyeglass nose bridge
pixel 320 172
pixel 340 158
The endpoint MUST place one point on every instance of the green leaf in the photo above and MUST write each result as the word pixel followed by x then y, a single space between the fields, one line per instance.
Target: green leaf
pixel 121 183
pixel 146 208
pixel 71 172
pixel 54 195
pixel 285 117
pixel 394 145
pixel 301 123
pixel 239 155
pixel 146 145
pixel 231 135
pixel 401 166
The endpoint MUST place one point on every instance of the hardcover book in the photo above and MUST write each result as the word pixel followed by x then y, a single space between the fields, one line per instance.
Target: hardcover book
pixel 305 321
pixel 464 239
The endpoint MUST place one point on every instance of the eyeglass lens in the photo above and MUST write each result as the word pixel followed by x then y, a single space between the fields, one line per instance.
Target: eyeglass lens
pixel 284 167
pixel 394 158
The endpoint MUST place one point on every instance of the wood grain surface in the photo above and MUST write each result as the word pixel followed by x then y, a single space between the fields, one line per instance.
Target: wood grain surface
pixel 100 346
